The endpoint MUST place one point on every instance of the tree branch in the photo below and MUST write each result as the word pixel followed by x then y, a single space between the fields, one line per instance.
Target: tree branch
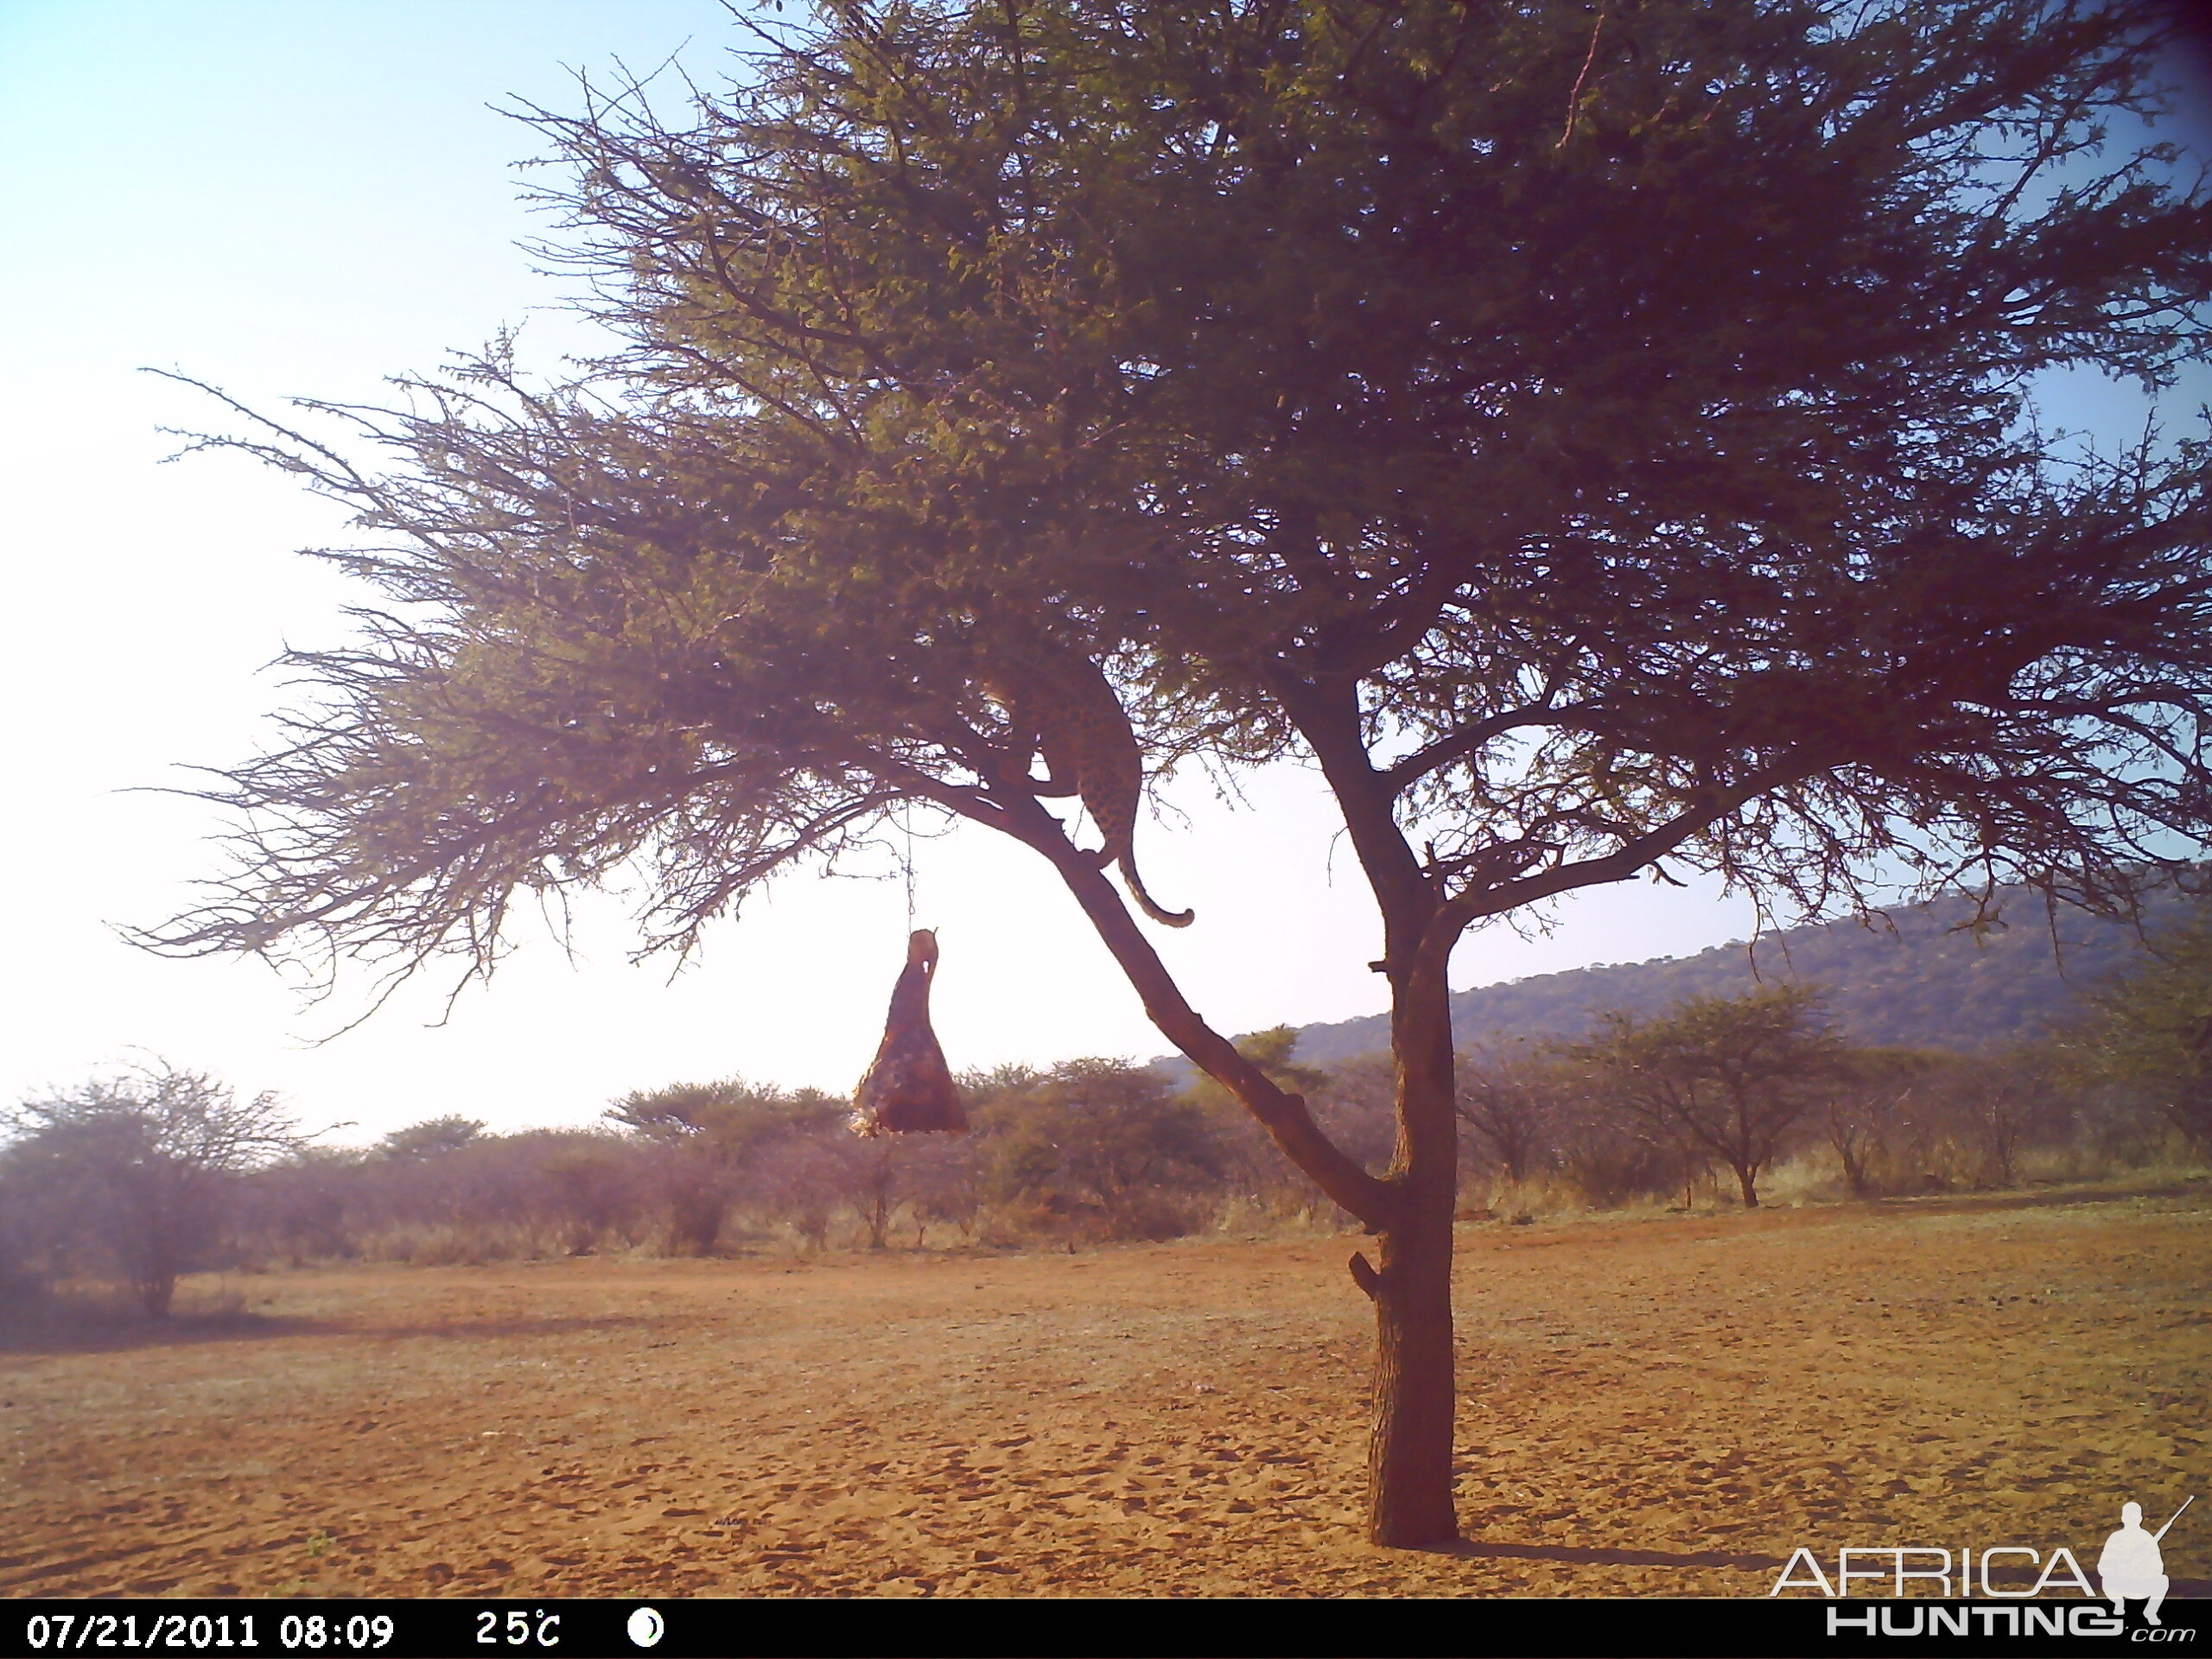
pixel 1455 746
pixel 1328 718
pixel 1371 1201
pixel 1474 904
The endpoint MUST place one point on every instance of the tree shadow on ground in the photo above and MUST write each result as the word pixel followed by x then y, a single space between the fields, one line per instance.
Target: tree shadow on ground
pixel 92 1330
pixel 466 1329
pixel 1491 1550
pixel 2057 1197
pixel 64 1328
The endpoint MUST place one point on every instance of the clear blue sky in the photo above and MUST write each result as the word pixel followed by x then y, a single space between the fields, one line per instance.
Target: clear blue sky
pixel 300 198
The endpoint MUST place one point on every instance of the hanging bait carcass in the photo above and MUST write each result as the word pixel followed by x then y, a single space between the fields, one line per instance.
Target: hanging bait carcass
pixel 908 1088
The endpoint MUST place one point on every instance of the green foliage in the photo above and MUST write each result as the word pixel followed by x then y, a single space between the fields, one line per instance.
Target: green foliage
pixel 1352 385
pixel 1728 1077
pixel 1270 1051
pixel 591 1189
pixel 709 1135
pixel 2151 1031
pixel 309 1206
pixel 131 1174
pixel 1100 1149
pixel 1105 1136
pixel 1595 442
pixel 433 1137
pixel 1352 1105
pixel 1515 1100
pixel 1866 1110
pixel 723 1120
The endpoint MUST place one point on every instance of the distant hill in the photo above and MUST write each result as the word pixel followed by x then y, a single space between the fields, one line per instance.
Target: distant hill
pixel 1917 981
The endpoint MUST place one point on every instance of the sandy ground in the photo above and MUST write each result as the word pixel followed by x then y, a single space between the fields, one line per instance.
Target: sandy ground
pixel 1659 1407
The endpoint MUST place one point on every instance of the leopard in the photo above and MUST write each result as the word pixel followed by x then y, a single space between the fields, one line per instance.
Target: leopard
pixel 1060 705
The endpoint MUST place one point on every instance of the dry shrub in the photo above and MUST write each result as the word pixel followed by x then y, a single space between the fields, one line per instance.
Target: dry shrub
pixel 1091 1152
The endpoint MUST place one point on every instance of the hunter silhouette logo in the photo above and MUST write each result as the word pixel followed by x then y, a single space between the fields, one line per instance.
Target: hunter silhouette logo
pixel 2131 1564
pixel 2130 1567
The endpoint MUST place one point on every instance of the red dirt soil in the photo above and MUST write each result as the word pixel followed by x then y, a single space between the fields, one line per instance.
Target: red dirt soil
pixel 1654 1407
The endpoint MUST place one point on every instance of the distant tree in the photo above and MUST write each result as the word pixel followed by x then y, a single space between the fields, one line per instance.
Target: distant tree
pixel 1274 1051
pixel 1252 1165
pixel 707 1135
pixel 942 1184
pixel 1593 440
pixel 28 1234
pixel 1356 1104
pixel 314 1203
pixel 803 1180
pixel 1610 1158
pixel 1998 1105
pixel 930 1178
pixel 431 1138
pixel 2151 1030
pixel 592 1191
pixel 875 1189
pixel 731 1116
pixel 1108 1133
pixel 1866 1104
pixel 1513 1101
pixel 1731 1076
pixel 139 1167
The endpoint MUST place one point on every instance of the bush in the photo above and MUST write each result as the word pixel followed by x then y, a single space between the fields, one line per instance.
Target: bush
pixel 133 1177
pixel 1106 1147
pixel 1094 1149
pixel 709 1139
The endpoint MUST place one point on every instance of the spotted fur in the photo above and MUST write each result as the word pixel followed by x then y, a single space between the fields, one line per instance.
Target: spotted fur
pixel 1066 707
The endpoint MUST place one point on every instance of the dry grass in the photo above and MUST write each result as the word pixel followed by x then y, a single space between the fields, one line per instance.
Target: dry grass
pixel 1659 1405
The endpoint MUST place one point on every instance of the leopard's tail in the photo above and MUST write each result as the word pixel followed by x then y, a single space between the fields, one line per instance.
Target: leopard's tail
pixel 1165 917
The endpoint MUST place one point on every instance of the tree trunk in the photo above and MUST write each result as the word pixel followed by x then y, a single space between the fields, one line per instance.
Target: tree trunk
pixel 1747 1177
pixel 1849 1148
pixel 1409 1501
pixel 156 1289
pixel 1409 1451
pixel 1410 1455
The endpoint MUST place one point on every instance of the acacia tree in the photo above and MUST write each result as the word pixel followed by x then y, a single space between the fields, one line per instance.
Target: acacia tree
pixel 2150 1029
pixel 433 1137
pixel 707 1135
pixel 1727 1077
pixel 1511 1099
pixel 1865 1105
pixel 1594 437
pixel 1113 1135
pixel 138 1169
